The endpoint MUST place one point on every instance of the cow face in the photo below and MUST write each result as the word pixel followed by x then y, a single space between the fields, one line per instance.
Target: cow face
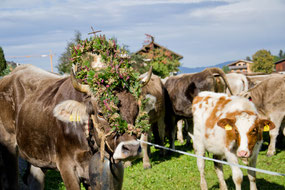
pixel 123 146
pixel 244 131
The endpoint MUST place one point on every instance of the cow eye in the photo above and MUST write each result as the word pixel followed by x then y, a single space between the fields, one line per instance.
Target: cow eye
pixel 254 131
pixel 100 114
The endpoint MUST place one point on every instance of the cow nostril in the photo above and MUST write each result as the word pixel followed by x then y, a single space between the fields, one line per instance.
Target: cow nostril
pixel 124 147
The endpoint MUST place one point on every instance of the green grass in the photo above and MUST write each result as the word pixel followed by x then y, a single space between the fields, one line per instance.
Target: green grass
pixel 178 171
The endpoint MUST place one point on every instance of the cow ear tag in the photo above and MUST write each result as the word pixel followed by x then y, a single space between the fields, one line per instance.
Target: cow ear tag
pixel 71 118
pixel 266 128
pixel 228 127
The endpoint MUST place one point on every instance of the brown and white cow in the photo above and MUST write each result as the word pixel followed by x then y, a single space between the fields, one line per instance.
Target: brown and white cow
pixel 181 90
pixel 53 121
pixel 230 128
pixel 269 99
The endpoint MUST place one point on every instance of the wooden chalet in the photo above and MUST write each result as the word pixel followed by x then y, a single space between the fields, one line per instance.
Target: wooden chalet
pixel 280 66
pixel 240 66
pixel 147 53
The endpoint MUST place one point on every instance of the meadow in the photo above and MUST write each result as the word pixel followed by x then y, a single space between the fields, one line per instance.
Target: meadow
pixel 176 171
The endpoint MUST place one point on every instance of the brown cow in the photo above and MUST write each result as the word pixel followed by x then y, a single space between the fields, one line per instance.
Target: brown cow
pixel 182 89
pixel 269 99
pixel 53 121
pixel 155 107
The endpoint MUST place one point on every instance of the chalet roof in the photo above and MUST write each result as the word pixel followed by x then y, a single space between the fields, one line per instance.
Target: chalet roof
pixel 279 61
pixel 143 49
pixel 241 60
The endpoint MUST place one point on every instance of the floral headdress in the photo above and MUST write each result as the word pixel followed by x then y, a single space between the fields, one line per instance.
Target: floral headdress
pixel 117 75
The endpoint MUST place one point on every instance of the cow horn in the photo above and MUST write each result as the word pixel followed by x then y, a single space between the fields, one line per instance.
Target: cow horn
pixel 146 79
pixel 220 72
pixel 76 84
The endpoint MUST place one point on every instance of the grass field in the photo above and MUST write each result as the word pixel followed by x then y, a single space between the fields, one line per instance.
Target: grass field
pixel 178 171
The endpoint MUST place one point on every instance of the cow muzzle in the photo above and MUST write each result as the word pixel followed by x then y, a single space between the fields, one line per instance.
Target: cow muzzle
pixel 128 150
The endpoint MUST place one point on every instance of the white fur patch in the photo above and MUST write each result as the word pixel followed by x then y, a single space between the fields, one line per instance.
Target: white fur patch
pixel 119 153
pixel 150 104
pixel 71 111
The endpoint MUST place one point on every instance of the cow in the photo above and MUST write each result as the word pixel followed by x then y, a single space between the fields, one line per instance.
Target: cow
pixel 269 99
pixel 238 83
pixel 180 91
pixel 253 79
pixel 55 122
pixel 230 128
pixel 155 107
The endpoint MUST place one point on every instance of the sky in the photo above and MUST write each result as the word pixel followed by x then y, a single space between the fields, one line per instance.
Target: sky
pixel 204 32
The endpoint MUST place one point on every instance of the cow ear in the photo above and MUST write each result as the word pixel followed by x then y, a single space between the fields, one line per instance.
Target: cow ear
pixel 71 111
pixel 191 91
pixel 266 125
pixel 226 123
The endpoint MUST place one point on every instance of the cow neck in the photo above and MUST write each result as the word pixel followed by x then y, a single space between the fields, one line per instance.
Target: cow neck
pixel 102 137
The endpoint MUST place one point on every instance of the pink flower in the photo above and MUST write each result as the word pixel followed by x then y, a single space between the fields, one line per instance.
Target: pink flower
pixel 107 86
pixel 127 78
pixel 106 104
pixel 102 80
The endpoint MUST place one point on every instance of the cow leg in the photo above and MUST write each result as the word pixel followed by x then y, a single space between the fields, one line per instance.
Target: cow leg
pixel 201 167
pixel 252 163
pixel 179 131
pixel 161 132
pixel 36 178
pixel 145 148
pixel 220 173
pixel 236 172
pixel 276 119
pixel 189 129
pixel 68 175
pixel 172 132
pixel 8 168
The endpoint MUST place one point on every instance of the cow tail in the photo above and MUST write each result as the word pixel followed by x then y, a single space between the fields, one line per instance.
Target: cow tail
pixel 220 72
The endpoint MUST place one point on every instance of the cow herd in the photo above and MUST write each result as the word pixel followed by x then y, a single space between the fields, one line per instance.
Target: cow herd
pixel 55 122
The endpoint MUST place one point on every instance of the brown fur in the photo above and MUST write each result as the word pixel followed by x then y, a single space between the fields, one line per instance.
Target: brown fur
pixel 27 100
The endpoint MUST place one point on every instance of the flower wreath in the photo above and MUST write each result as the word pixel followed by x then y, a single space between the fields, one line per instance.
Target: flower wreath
pixel 118 75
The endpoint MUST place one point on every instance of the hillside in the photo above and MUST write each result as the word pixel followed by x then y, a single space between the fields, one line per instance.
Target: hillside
pixel 199 69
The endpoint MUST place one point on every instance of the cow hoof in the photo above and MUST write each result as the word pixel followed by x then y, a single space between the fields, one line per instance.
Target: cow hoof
pixel 147 166
pixel 127 164
pixel 270 153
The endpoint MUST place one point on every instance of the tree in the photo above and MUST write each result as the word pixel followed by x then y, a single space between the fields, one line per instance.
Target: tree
pixel 263 61
pixel 226 69
pixel 248 58
pixel 65 64
pixel 3 63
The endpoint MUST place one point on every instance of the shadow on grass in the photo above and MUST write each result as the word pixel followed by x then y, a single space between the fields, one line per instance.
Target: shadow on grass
pixel 260 183
pixel 53 180
pixel 157 156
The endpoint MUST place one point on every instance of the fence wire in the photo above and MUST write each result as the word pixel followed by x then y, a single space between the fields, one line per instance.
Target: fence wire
pixel 215 160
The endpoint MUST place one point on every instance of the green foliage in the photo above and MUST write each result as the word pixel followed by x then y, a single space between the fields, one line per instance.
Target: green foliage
pixel 64 65
pixel 117 75
pixel 3 64
pixel 280 56
pixel 139 64
pixel 163 63
pixel 263 62
pixel 226 69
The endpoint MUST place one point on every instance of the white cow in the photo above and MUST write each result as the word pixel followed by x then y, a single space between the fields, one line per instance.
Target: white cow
pixel 228 127
pixel 238 83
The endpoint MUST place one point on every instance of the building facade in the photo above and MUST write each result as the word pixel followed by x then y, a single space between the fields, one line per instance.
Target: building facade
pixel 240 66
pixel 280 66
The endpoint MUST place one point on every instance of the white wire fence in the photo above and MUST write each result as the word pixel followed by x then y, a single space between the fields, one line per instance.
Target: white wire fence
pixel 215 160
